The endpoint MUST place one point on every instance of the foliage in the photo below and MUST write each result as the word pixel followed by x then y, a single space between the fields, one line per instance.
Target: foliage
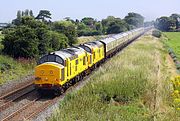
pixel 31 38
pixel 176 18
pixel 21 14
pixel 68 29
pixel 11 69
pixel 156 33
pixel 114 25
pixel 21 42
pixel 134 19
pixel 44 14
pixel 1 46
pixel 40 36
pixel 165 23
pixel 89 22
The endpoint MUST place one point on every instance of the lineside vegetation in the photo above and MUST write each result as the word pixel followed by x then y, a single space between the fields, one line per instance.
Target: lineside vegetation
pixel 134 85
pixel 11 69
pixel 173 41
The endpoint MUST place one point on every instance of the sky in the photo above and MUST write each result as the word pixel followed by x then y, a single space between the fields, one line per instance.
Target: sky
pixel 98 9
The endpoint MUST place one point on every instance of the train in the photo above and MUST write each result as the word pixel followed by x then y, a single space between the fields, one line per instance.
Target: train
pixel 58 70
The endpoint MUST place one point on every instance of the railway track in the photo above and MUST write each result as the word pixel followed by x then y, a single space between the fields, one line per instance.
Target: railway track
pixel 34 107
pixel 8 99
pixel 35 104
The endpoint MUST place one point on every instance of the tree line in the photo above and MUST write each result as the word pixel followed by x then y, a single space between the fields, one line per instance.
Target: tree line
pixel 168 23
pixel 31 36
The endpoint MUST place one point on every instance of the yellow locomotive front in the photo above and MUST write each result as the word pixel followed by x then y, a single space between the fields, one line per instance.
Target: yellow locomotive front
pixel 50 73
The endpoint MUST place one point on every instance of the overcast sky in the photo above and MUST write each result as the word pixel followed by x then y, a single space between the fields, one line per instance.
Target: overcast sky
pixel 99 9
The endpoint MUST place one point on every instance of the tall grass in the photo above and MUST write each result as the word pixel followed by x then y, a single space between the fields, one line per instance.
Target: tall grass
pixel 11 69
pixel 123 88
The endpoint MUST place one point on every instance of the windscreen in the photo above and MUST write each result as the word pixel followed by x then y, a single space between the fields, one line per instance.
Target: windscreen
pixel 51 58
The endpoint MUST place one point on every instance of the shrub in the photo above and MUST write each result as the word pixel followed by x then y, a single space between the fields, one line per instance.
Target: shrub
pixel 156 33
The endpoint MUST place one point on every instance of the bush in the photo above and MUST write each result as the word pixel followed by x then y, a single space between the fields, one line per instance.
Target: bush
pixel 156 33
pixel 31 39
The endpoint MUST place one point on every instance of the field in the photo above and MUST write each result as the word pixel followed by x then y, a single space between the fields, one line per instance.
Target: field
pixel 134 85
pixel 173 41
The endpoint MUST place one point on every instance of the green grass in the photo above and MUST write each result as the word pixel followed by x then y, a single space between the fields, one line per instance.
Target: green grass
pixel 11 69
pixel 173 41
pixel 123 88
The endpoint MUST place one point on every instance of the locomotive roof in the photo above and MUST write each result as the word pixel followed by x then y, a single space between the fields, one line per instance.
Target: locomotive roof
pixel 62 54
pixel 75 50
pixel 70 53
pixel 94 43
pixel 118 36
pixel 108 40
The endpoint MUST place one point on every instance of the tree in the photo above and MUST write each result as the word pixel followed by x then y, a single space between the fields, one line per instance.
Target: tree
pixel 32 38
pixel 116 27
pixel 67 28
pixel 57 41
pixel 165 23
pixel 31 13
pixel 176 18
pixel 26 13
pixel 20 15
pixel 134 19
pixel 43 14
pixel 21 42
pixel 17 21
pixel 112 25
pixel 89 22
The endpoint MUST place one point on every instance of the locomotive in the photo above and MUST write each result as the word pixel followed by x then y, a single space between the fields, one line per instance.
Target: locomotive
pixel 58 70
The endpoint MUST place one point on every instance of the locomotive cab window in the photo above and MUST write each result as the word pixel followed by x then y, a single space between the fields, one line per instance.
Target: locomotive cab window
pixel 51 58
pixel 86 48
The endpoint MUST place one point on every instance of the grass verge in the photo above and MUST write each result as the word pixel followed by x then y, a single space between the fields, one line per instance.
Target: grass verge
pixel 11 69
pixel 134 85
pixel 173 41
